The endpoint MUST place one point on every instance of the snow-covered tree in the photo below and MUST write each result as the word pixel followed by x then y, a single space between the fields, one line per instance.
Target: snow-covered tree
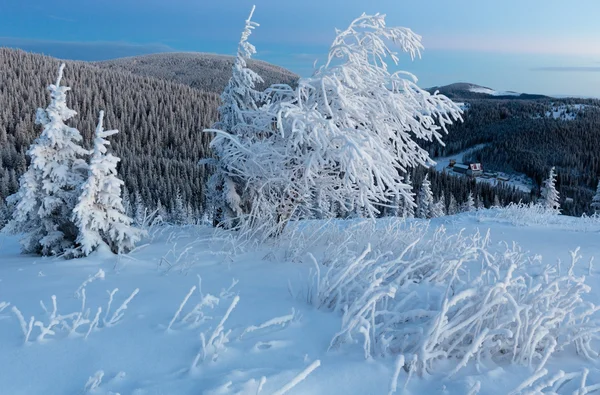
pixel 179 214
pixel 549 192
pixel 452 206
pixel 140 211
pixel 99 213
pixel 425 202
pixel 497 201
pixel 408 200
pixel 239 100
pixel 348 131
pixel 439 208
pixel 49 188
pixel 595 205
pixel 469 204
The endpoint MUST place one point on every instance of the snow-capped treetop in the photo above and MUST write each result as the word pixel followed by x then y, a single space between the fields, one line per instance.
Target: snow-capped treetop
pixel 549 193
pixel 239 95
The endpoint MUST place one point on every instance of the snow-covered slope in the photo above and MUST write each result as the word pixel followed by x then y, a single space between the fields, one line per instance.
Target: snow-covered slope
pixel 249 305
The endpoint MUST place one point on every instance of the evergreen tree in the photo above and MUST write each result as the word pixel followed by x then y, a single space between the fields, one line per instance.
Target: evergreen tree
pixel 469 204
pixel 425 203
pixel 49 188
pixel 452 206
pixel 239 98
pixel 408 199
pixel 99 214
pixel 549 192
pixel 439 208
pixel 497 201
pixel 595 205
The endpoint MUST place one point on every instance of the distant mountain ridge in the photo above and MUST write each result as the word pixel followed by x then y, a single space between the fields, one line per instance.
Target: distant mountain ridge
pixel 465 90
pixel 204 71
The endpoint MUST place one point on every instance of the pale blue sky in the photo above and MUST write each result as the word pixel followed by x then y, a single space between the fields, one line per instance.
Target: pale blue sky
pixel 537 46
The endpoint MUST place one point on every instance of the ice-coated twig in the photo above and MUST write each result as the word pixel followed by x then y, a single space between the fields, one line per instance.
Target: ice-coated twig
pixel 100 275
pixel 24 326
pixel 394 382
pixel 300 377
pixel 118 314
pixel 94 382
pixel 277 321
pixel 181 307
pixel 3 305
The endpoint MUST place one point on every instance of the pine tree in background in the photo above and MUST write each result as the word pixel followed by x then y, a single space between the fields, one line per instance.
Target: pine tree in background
pixel 139 209
pixel 439 208
pixel 425 203
pixel 549 193
pixel 238 98
pixel 469 204
pixel 453 206
pixel 497 201
pixel 49 188
pixel 99 213
pixel 408 199
pixel 595 205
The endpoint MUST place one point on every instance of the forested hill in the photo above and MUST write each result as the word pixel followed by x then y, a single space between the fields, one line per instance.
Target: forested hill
pixel 160 122
pixel 208 72
pixel 529 134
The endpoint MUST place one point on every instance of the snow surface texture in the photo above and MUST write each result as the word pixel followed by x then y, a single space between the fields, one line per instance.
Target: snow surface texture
pixel 197 312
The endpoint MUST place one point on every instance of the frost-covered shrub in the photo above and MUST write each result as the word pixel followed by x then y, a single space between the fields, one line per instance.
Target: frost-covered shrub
pixel 451 297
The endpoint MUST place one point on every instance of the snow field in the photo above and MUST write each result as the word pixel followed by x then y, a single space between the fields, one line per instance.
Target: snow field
pixel 208 319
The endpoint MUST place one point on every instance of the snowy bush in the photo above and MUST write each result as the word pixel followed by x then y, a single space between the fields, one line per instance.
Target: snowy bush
pixel 340 142
pixel 450 297
pixel 527 214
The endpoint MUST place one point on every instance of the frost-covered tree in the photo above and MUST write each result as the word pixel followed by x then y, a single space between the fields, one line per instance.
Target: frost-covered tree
pixel 179 214
pixel 439 208
pixel 99 213
pixel 240 99
pixel 497 201
pixel 595 205
pixel 452 206
pixel 49 188
pixel 425 202
pixel 408 200
pixel 469 204
pixel 349 131
pixel 549 192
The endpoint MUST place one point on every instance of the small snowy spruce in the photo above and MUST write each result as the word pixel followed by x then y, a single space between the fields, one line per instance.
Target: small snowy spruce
pixel 239 99
pixel 469 204
pixel 99 214
pixel 550 194
pixel 49 188
pixel 425 203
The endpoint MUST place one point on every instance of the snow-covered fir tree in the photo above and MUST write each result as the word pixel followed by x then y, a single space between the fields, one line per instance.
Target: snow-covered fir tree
pixel 48 192
pixel 452 206
pixel 425 201
pixel 549 193
pixel 497 201
pixel 349 130
pixel 408 200
pixel 469 204
pixel 595 205
pixel 439 208
pixel 140 211
pixel 225 187
pixel 99 213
